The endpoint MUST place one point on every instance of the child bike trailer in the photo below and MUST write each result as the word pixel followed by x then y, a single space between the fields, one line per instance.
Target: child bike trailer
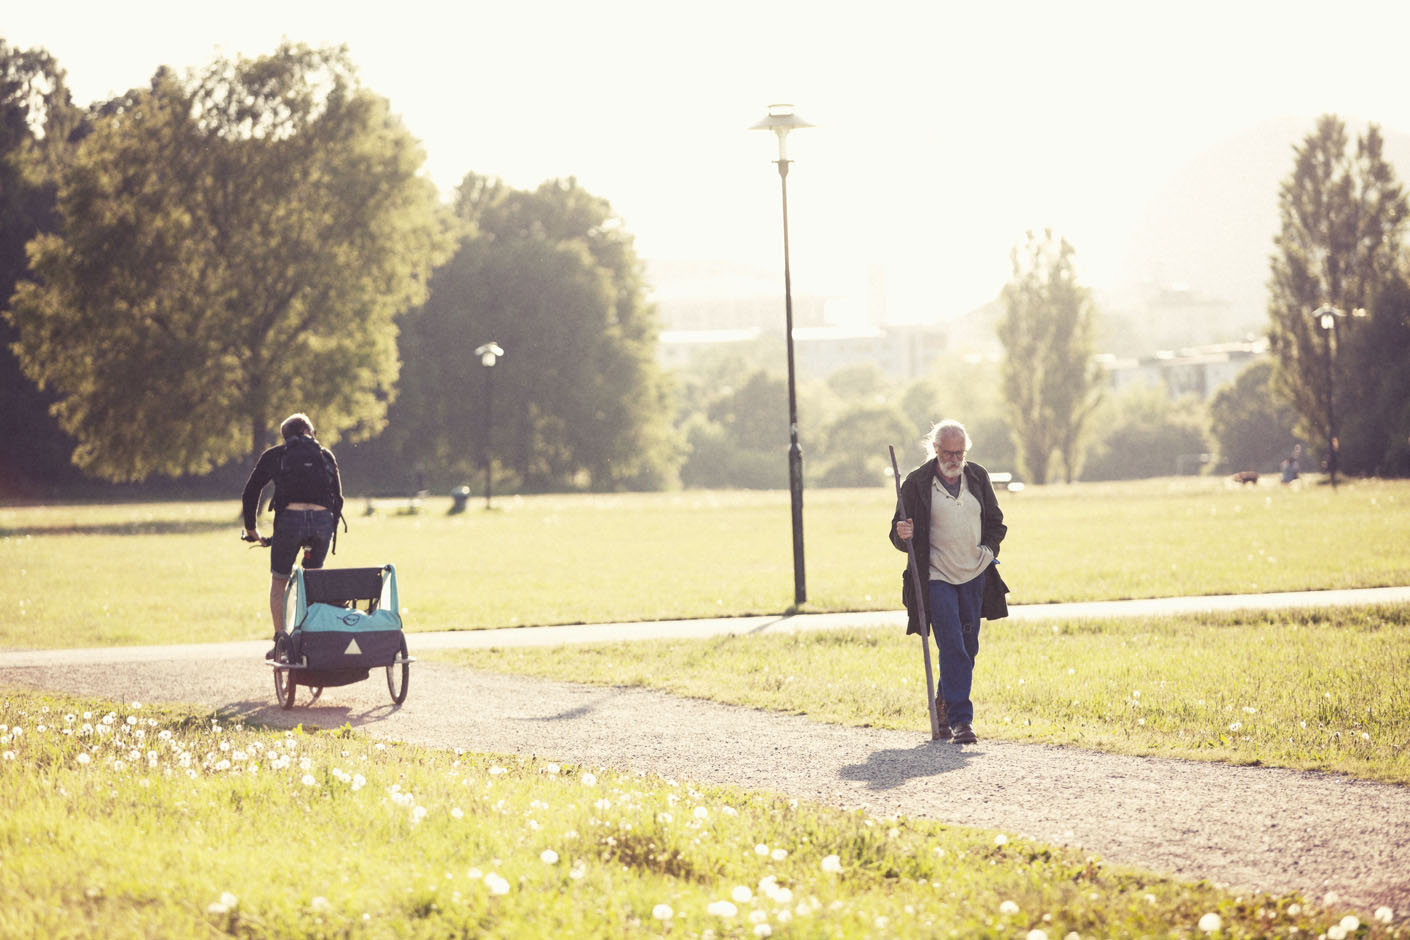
pixel 334 641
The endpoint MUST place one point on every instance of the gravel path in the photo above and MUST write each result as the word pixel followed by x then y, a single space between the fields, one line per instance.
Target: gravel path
pixel 1249 828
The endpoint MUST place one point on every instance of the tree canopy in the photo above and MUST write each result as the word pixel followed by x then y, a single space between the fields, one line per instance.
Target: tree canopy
pixel 37 121
pixel 1343 217
pixel 232 246
pixel 578 400
pixel 1049 380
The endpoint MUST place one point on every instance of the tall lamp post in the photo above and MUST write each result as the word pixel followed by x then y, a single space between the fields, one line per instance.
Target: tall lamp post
pixel 489 354
pixel 1326 317
pixel 781 120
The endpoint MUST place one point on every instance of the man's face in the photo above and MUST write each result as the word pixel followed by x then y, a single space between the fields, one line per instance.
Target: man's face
pixel 949 450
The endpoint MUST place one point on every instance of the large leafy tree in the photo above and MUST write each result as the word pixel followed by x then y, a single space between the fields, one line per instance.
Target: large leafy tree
pixel 233 246
pixel 1049 380
pixel 1343 218
pixel 578 400
pixel 37 120
pixel 1252 427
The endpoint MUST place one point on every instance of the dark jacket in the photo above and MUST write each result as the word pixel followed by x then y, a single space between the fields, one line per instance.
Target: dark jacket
pixel 915 505
pixel 267 470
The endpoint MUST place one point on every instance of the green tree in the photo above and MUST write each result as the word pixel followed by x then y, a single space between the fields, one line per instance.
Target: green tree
pixel 1049 380
pixel 578 400
pixel 37 119
pixel 1343 217
pixel 1251 427
pixel 1148 434
pixel 232 247
pixel 741 437
pixel 856 442
pixel 1373 404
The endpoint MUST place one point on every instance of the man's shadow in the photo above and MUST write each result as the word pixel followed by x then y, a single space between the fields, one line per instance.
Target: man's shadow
pixel 891 768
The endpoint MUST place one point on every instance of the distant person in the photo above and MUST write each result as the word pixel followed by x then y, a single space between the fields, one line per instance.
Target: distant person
pixel 308 500
pixel 1291 468
pixel 950 515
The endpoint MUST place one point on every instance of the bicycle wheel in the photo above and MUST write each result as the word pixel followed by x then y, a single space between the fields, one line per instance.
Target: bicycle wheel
pixel 399 675
pixel 284 685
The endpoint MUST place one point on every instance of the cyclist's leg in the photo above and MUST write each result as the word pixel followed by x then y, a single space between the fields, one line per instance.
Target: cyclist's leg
pixel 284 545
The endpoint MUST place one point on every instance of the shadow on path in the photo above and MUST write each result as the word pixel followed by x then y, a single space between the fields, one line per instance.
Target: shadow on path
pixel 891 768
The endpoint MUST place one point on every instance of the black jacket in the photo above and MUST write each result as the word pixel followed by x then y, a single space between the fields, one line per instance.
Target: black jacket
pixel 915 505
pixel 267 470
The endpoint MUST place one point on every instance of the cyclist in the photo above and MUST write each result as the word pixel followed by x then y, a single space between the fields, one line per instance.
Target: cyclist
pixel 307 503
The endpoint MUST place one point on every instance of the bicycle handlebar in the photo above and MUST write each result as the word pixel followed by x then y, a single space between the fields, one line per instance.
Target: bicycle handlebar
pixel 262 541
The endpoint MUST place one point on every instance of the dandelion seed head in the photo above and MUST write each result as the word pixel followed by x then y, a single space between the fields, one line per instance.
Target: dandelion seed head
pixel 1008 907
pixel 832 863
pixel 1036 934
pixel 1210 922
pixel 496 884
pixel 548 857
pixel 1001 839
pixel 1384 914
pixel 662 912
pixel 721 909
pixel 1350 923
pixel 741 894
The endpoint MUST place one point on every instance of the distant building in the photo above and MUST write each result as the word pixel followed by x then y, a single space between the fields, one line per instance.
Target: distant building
pixel 1200 370
pixel 902 351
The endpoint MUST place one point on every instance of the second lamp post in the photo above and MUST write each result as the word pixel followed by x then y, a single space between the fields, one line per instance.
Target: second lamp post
pixel 489 354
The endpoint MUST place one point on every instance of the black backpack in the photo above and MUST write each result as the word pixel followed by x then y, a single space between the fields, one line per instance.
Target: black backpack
pixel 305 475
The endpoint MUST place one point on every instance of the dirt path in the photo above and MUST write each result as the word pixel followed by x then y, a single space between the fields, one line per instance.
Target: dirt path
pixel 1250 828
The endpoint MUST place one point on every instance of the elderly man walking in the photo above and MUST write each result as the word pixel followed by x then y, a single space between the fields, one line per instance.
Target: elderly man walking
pixel 949 513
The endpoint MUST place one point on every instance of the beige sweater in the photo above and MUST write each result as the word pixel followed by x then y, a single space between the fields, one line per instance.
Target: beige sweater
pixel 956 556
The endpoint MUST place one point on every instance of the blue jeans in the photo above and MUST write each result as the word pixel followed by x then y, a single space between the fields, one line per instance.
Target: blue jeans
pixel 300 528
pixel 954 622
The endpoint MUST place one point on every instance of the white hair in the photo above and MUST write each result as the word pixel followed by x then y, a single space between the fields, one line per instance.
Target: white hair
pixel 941 428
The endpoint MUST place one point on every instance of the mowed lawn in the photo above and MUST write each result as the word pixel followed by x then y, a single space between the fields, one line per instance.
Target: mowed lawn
pixel 139 573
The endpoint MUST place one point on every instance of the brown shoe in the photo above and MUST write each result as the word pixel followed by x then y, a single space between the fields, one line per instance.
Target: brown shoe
pixel 964 734
pixel 944 734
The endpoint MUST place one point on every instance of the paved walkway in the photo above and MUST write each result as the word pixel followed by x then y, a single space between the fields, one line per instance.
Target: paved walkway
pixel 694 629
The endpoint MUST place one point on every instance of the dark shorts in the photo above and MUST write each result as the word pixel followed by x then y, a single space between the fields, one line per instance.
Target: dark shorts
pixel 295 529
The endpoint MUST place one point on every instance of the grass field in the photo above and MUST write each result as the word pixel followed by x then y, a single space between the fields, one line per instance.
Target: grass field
pixel 124 821
pixel 1325 689
pixel 122 574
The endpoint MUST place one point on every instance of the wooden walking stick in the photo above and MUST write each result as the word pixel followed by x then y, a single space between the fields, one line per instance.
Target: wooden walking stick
pixel 919 584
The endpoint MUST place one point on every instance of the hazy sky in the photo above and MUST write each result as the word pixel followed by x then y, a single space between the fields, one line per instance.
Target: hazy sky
pixel 944 130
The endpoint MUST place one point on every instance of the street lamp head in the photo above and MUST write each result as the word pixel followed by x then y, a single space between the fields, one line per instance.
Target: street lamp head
pixel 781 119
pixel 489 353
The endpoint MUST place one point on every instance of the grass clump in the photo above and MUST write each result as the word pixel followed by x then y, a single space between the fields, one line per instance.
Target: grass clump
pixel 1324 689
pixel 131 821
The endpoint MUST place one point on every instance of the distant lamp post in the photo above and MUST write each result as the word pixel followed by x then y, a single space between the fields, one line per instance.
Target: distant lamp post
pixel 489 354
pixel 1326 317
pixel 781 120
